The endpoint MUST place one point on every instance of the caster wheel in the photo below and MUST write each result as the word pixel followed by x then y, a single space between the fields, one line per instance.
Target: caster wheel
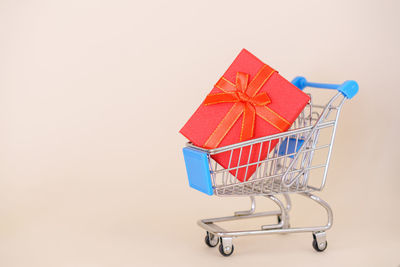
pixel 319 247
pixel 227 251
pixel 211 240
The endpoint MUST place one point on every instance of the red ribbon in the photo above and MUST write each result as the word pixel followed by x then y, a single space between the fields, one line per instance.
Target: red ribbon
pixel 247 102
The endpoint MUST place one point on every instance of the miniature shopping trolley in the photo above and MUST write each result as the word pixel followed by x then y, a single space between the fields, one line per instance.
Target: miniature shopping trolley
pixel 298 163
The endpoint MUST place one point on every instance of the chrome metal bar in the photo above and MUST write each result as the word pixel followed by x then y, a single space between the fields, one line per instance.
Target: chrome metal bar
pixel 234 218
pixel 283 214
pixel 277 175
pixel 326 206
pixel 288 202
pixel 210 226
pixel 261 139
pixel 250 211
pixel 331 144
pixel 271 159
pixel 308 138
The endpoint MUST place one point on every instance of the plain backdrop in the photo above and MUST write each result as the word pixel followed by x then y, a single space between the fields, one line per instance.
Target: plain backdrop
pixel 93 94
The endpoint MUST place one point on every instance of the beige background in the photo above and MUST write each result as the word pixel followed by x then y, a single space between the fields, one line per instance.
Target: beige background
pixel 93 93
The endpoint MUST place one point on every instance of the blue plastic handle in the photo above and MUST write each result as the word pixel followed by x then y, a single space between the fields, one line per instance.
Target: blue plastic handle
pixel 349 88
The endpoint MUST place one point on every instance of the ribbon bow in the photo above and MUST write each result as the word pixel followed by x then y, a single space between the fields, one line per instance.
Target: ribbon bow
pixel 247 101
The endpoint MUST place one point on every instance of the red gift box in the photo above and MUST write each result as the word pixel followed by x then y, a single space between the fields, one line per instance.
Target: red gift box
pixel 251 100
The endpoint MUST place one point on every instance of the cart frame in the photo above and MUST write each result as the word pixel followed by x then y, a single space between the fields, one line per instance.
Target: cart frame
pixel 286 172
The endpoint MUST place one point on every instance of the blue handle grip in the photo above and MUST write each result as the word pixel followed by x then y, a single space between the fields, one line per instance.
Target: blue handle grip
pixel 349 88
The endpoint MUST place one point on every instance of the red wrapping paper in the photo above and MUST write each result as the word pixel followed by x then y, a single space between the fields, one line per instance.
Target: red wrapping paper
pixel 286 100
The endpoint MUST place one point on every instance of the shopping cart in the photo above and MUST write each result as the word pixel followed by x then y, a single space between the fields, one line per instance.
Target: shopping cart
pixel 297 164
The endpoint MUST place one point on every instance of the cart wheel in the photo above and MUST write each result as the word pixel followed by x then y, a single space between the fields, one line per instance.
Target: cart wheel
pixel 227 251
pixel 211 240
pixel 319 247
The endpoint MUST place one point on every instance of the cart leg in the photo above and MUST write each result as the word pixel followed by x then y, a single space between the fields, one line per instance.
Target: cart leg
pixel 319 237
pixel 250 211
pixel 283 221
pixel 287 208
pixel 288 202
pixel 324 204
